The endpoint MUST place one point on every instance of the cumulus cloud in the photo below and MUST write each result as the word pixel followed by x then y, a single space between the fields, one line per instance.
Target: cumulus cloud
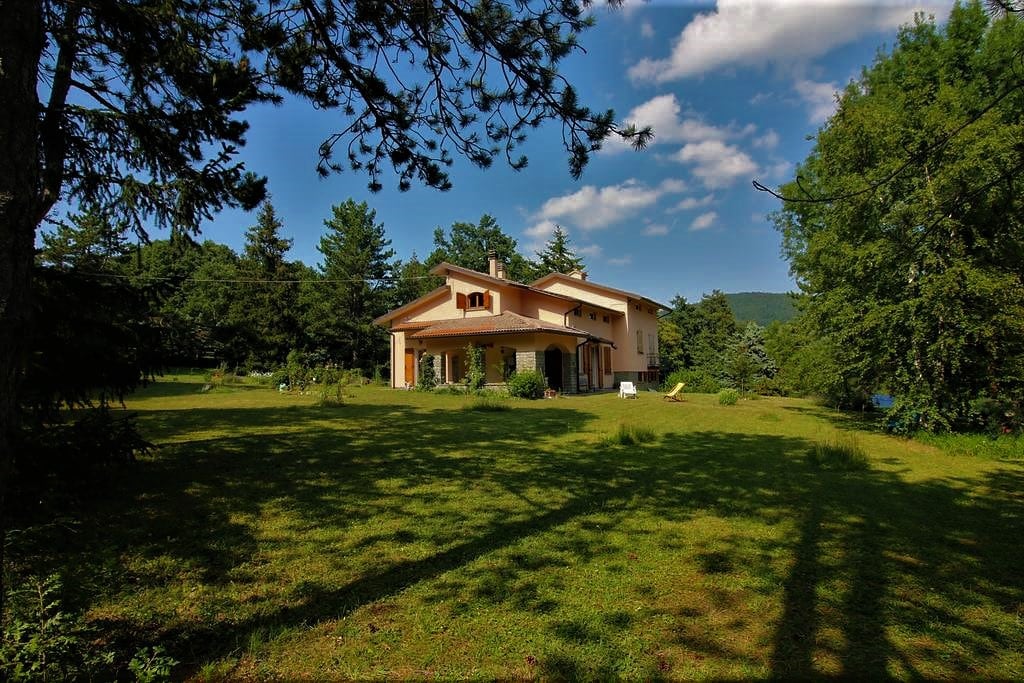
pixel 703 221
pixel 693 203
pixel 716 163
pixel 590 250
pixel 819 97
pixel 591 208
pixel 655 229
pixel 777 32
pixel 621 260
pixel 665 115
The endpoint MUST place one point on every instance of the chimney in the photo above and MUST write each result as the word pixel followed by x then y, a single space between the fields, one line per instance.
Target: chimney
pixel 492 260
pixel 578 274
pixel 501 270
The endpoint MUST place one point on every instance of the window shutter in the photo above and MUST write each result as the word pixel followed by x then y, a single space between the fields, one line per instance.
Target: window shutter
pixel 460 300
pixel 487 300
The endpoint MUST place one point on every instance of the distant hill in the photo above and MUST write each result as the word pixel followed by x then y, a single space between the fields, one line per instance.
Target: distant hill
pixel 761 307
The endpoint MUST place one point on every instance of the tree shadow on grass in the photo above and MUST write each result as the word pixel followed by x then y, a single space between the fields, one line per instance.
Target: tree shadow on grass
pixel 870 554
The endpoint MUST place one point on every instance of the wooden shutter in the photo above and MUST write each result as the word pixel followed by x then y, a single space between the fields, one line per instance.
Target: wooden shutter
pixel 607 360
pixel 487 300
pixel 460 300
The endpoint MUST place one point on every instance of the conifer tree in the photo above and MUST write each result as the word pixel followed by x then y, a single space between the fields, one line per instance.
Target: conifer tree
pixel 557 256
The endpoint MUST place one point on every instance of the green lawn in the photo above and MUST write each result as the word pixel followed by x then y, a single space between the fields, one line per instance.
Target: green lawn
pixel 409 536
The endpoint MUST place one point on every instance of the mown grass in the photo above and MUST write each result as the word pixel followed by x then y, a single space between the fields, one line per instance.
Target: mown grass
pixel 403 535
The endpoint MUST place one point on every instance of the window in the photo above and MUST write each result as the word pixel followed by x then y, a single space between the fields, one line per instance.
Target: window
pixel 637 307
pixel 607 360
pixel 605 318
pixel 473 300
pixel 577 312
pixel 639 341
pixel 593 316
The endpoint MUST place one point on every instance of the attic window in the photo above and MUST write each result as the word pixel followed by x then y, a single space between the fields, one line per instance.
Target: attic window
pixel 576 312
pixel 593 316
pixel 637 307
pixel 605 318
pixel 473 300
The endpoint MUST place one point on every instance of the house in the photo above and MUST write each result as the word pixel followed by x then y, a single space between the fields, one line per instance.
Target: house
pixel 581 335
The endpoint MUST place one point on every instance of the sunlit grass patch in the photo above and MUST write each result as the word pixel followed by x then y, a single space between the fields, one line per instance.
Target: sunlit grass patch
pixel 842 452
pixel 629 434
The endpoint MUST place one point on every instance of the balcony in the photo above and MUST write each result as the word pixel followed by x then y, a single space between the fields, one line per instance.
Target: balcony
pixel 653 360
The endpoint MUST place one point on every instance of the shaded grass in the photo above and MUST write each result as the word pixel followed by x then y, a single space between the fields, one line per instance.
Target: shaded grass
pixel 406 537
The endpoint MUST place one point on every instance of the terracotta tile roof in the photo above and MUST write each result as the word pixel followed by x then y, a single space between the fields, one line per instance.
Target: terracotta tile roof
pixel 442 269
pixel 585 284
pixel 503 323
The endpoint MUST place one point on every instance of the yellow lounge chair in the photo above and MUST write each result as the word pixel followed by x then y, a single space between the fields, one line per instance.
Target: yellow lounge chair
pixel 674 394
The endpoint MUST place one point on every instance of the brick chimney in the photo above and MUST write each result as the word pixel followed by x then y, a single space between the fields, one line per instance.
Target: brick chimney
pixel 492 261
pixel 501 270
pixel 578 274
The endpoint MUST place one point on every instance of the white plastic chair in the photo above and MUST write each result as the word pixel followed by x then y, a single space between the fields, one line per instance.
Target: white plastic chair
pixel 627 389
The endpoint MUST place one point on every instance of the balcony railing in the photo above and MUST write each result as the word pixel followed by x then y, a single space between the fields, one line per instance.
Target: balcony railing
pixel 653 360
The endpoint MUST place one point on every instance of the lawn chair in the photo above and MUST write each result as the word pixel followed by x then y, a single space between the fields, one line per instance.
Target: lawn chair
pixel 674 394
pixel 627 389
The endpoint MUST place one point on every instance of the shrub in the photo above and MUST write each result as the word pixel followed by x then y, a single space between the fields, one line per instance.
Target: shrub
pixel 728 397
pixel 331 395
pixel 842 453
pixel 41 641
pixel 527 384
pixel 428 373
pixel 279 377
pixel 629 435
pixel 151 665
pixel 476 376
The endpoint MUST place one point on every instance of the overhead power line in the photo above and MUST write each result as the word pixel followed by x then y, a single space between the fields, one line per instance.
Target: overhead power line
pixel 166 278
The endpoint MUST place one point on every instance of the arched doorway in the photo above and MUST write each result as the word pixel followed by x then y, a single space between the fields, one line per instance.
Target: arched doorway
pixel 553 367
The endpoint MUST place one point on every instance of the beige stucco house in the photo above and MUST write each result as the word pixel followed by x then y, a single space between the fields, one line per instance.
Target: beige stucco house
pixel 581 335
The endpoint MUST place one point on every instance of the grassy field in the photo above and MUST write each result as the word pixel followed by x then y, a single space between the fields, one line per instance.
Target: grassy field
pixel 412 536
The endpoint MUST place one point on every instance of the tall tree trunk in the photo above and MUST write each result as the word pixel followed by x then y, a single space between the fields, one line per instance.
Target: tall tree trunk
pixel 21 44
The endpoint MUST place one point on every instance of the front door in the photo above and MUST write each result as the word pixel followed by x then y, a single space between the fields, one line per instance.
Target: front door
pixel 410 367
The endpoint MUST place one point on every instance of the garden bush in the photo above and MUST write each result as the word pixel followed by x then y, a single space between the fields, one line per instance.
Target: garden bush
pixel 527 384
pixel 728 397
pixel 428 374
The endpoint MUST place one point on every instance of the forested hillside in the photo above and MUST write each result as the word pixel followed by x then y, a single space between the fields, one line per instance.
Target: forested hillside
pixel 762 308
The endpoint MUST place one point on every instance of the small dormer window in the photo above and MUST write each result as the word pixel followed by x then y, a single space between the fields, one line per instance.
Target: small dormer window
pixel 473 300
pixel 638 307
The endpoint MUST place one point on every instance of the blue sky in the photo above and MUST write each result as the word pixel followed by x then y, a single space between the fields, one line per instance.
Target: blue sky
pixel 733 91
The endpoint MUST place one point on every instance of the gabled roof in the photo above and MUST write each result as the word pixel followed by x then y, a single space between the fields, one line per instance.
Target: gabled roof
pixel 503 323
pixel 433 294
pixel 441 269
pixel 584 284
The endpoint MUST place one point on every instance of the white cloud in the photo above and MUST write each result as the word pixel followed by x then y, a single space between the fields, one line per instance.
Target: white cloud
pixel 590 207
pixel 646 29
pixel 541 229
pixel 621 261
pixel 770 140
pixel 820 97
pixel 655 229
pixel 779 170
pixel 703 221
pixel 785 33
pixel 591 250
pixel 665 115
pixel 760 98
pixel 693 203
pixel 716 163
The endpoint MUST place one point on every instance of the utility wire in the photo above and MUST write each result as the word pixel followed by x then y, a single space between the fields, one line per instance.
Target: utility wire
pixel 252 280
